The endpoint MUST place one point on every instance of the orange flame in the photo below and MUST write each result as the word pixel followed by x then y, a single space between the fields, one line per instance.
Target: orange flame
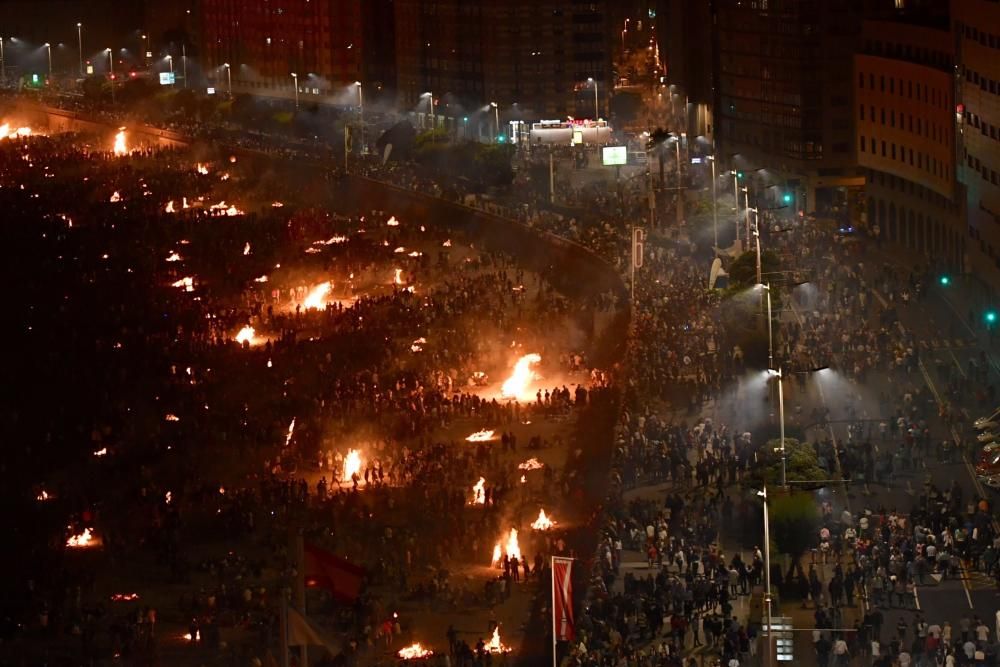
pixel 83 540
pixel 352 464
pixel 482 436
pixel 116 197
pixel 124 597
pixel 202 169
pixel 517 384
pixel 316 299
pixel 398 276
pixel 186 284
pixel 392 222
pixel 479 492
pixel 543 522
pixel 495 645
pixel 530 464
pixel 414 652
pixel 246 249
pixel 120 148
pixel 245 335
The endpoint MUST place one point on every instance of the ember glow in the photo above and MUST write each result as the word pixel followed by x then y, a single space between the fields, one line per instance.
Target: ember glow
pixel 352 464
pixel 186 284
pixel 173 257
pixel 414 652
pixel 246 249
pixel 171 417
pixel 446 244
pixel 170 207
pixel 398 276
pixel 479 492
pixel 245 335
pixel 332 240
pixel 530 464
pixel 495 645
pixel 229 210
pixel 43 496
pixel 103 451
pixel 124 597
pixel 418 345
pixel 543 522
pixel 316 299
pixel 291 429
pixel 482 436
pixel 84 540
pixel 202 169
pixel 517 384
pixel 116 197
pixel 392 222
pixel 120 148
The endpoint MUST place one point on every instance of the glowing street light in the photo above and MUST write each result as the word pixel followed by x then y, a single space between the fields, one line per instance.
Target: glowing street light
pixel 79 42
pixel 597 111
pixel 295 79
pixel 229 79
pixel 361 114
pixel 430 101
pixel 48 47
pixel 3 63
pixel 111 66
pixel 496 113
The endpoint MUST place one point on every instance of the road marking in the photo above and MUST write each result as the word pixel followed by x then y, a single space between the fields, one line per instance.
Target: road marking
pixel 965 582
pixel 955 359
pixel 916 598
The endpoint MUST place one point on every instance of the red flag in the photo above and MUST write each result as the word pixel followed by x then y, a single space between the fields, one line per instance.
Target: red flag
pixel 325 570
pixel 562 598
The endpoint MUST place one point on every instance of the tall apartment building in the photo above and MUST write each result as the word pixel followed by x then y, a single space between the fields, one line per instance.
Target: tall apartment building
pixel 783 90
pixel 534 58
pixel 905 136
pixel 688 47
pixel 976 32
pixel 327 44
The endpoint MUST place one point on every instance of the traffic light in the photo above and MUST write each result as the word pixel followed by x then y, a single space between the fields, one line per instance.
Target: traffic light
pixel 944 280
pixel 501 138
pixel 787 198
pixel 990 317
pixel 739 175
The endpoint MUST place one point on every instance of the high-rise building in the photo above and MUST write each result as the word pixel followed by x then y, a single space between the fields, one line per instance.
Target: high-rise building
pixel 326 44
pixel 687 47
pixel 783 90
pixel 976 31
pixel 905 135
pixel 534 58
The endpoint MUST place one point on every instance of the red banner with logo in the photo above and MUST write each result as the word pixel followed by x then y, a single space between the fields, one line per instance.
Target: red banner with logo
pixel 562 599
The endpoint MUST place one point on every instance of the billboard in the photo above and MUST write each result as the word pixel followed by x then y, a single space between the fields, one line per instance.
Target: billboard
pixel 167 79
pixel 614 156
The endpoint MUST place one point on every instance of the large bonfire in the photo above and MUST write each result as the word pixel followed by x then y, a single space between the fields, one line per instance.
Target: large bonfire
pixel 522 376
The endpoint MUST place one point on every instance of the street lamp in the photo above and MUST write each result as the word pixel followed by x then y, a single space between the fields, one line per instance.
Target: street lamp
pixel 229 79
pixel 170 62
pixel 496 114
pixel 736 197
pixel 3 63
pixel 48 47
pixel 597 112
pixel 715 208
pixel 79 42
pixel 430 101
pixel 295 79
pixel 145 54
pixel 361 114
pixel 111 66
pixel 767 577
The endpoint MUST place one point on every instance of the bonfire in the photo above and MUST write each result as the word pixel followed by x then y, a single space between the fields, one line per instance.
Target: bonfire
pixel 543 522
pixel 414 652
pixel 517 384
pixel 482 436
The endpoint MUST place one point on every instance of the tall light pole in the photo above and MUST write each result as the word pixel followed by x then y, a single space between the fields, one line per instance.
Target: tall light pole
pixel 767 578
pixel 145 54
pixel 48 47
pixel 79 44
pixel 229 79
pixel 111 66
pixel 736 197
pixel 430 102
pixel 170 62
pixel 496 115
pixel 746 211
pixel 361 114
pixel 184 62
pixel 3 63
pixel 715 206
pixel 597 111
pixel 295 79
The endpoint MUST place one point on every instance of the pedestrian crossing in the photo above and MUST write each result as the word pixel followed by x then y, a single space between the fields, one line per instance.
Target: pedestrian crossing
pixel 978 581
pixel 944 343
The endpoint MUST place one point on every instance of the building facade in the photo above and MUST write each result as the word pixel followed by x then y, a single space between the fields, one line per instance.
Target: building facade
pixel 976 32
pixel 535 59
pixel 905 137
pixel 326 44
pixel 688 44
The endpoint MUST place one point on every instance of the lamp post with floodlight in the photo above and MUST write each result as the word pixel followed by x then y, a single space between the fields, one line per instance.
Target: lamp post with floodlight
pixel 111 67
pixel 229 79
pixel 295 80
pixel 79 44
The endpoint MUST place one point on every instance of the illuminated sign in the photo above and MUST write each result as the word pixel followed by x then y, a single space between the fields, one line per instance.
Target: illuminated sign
pixel 614 156
pixel 167 79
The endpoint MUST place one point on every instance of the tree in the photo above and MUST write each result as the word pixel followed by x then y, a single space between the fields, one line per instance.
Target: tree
pixel 801 463
pixel 743 270
pixel 95 88
pixel 794 522
pixel 657 145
